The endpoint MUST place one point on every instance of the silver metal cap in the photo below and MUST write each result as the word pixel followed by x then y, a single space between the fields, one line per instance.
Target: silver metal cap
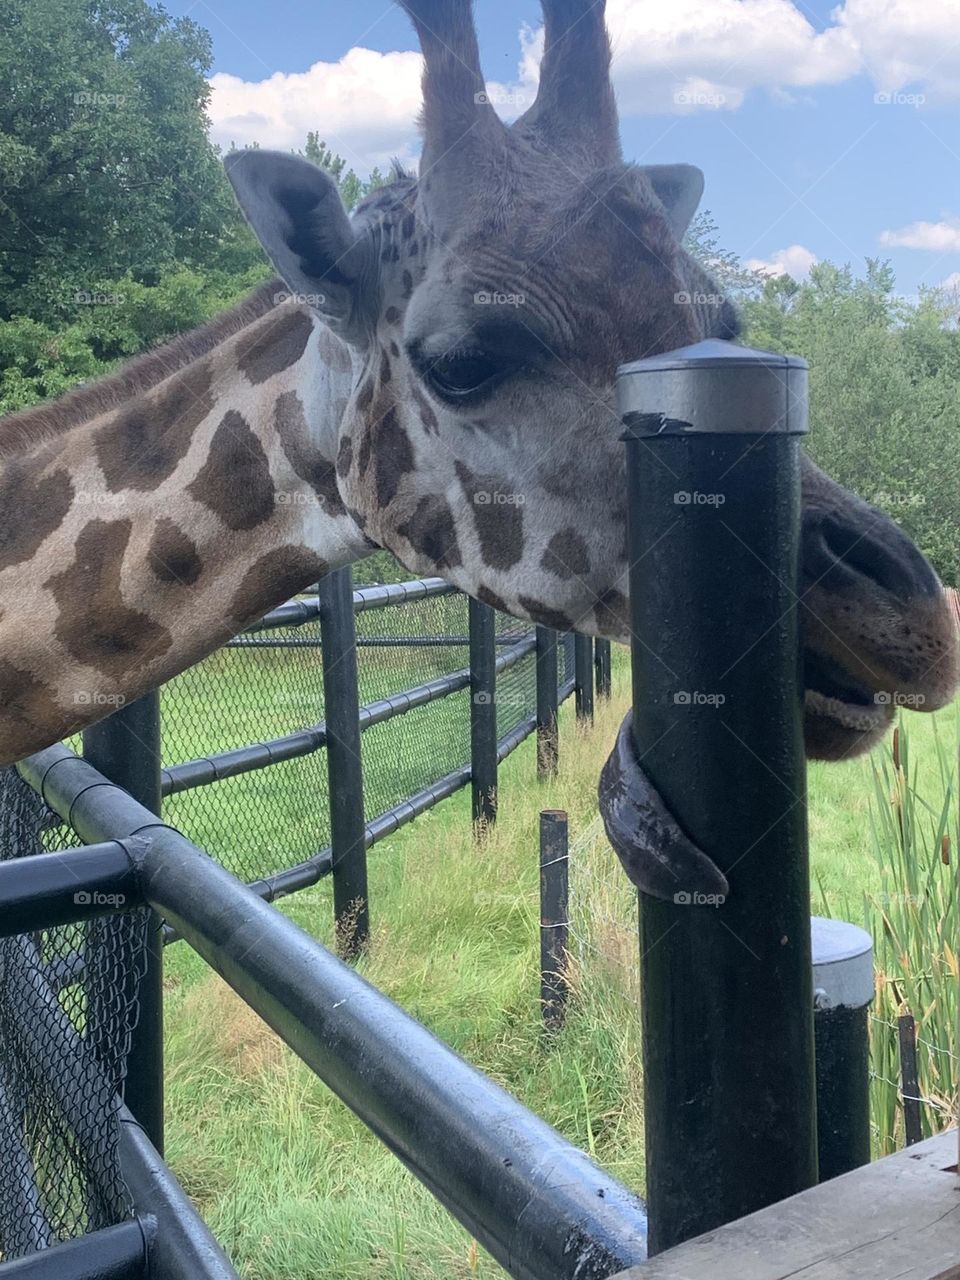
pixel 842 964
pixel 714 386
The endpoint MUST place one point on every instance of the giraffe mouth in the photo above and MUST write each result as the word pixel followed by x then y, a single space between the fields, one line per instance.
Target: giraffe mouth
pixel 842 716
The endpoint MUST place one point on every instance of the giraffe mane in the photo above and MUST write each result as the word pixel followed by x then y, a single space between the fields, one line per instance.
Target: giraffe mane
pixel 25 429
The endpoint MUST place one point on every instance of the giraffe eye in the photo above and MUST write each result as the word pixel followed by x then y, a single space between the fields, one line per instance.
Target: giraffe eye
pixel 463 375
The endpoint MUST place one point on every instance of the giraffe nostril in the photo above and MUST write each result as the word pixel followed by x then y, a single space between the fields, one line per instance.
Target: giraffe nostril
pixel 838 554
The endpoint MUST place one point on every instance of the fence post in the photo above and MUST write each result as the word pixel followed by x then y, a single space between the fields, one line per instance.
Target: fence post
pixel 583 676
pixel 604 667
pixel 483 712
pixel 126 749
pixel 842 993
pixel 548 669
pixel 554 916
pixel 341 699
pixel 726 989
pixel 909 1080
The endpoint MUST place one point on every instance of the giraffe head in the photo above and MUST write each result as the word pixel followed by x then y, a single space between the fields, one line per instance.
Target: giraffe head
pixel 487 306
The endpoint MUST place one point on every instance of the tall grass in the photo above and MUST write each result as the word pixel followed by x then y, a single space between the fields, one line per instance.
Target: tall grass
pixel 914 921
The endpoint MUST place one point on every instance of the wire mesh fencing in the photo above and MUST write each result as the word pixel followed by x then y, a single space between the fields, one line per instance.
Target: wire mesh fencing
pixel 247 725
pixel 68 1008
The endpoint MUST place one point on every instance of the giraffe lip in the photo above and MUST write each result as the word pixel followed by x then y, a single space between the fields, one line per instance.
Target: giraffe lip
pixel 831 683
pixel 833 695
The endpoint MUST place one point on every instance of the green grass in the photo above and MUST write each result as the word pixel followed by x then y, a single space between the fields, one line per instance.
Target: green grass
pixel 295 1186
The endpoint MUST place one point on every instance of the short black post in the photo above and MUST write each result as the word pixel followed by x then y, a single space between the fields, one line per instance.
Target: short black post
pixel 341 699
pixel 909 1080
pixel 583 676
pixel 713 483
pixel 603 664
pixel 554 917
pixel 548 679
pixel 126 748
pixel 842 993
pixel 483 713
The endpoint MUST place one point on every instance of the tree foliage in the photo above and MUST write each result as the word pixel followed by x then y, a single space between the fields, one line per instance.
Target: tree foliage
pixel 884 403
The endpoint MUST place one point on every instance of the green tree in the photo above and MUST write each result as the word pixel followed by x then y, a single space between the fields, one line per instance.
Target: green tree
pixel 105 163
pixel 884 408
pixel 703 242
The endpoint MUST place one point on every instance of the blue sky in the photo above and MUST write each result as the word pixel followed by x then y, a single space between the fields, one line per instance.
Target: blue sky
pixel 776 101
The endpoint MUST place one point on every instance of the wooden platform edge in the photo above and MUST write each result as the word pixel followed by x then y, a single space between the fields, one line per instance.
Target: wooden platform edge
pixel 895 1219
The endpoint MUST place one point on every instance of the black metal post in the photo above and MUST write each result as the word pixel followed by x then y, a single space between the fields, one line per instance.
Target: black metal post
pixel 713 477
pixel 603 663
pixel 909 1080
pixel 842 993
pixel 126 748
pixel 583 676
pixel 548 680
pixel 483 712
pixel 341 696
pixel 554 916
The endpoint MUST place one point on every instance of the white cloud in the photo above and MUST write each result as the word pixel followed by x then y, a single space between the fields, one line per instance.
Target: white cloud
pixel 688 55
pixel 941 237
pixel 952 282
pixel 796 261
pixel 363 106
pixel 675 58
pixel 906 42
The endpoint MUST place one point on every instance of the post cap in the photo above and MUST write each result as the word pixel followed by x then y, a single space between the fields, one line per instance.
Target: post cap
pixel 842 964
pixel 715 387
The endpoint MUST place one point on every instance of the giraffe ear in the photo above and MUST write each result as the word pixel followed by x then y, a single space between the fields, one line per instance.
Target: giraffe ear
pixel 297 214
pixel 679 188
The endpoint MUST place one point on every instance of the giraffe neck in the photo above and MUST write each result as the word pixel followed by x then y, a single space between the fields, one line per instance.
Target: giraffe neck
pixel 140 529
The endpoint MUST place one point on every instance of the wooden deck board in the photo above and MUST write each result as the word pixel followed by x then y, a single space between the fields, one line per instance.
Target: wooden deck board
pixel 896 1219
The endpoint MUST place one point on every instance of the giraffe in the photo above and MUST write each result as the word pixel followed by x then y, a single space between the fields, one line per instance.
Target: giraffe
pixel 433 375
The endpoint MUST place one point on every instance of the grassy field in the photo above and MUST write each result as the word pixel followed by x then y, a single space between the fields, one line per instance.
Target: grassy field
pixel 295 1187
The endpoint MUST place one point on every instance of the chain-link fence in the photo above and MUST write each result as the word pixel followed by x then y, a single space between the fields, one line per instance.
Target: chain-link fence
pixel 261 813
pixel 68 1007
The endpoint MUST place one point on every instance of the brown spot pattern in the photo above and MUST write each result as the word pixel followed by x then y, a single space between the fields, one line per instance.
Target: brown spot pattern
pixel 546 616
pixel 272 579
pixel 499 525
pixel 486 596
pixel 32 506
pixel 235 480
pixel 566 555
pixel 427 415
pixel 344 457
pixel 307 461
pixel 276 345
pixel 611 611
pixel 172 555
pixel 391 315
pixel 386 373
pixel 141 444
pixel 431 530
pixel 94 625
pixel 392 455
pixel 31 712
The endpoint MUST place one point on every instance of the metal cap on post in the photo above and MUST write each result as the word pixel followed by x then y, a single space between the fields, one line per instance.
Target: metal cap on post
pixel 713 471
pixel 843 986
pixel 734 390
